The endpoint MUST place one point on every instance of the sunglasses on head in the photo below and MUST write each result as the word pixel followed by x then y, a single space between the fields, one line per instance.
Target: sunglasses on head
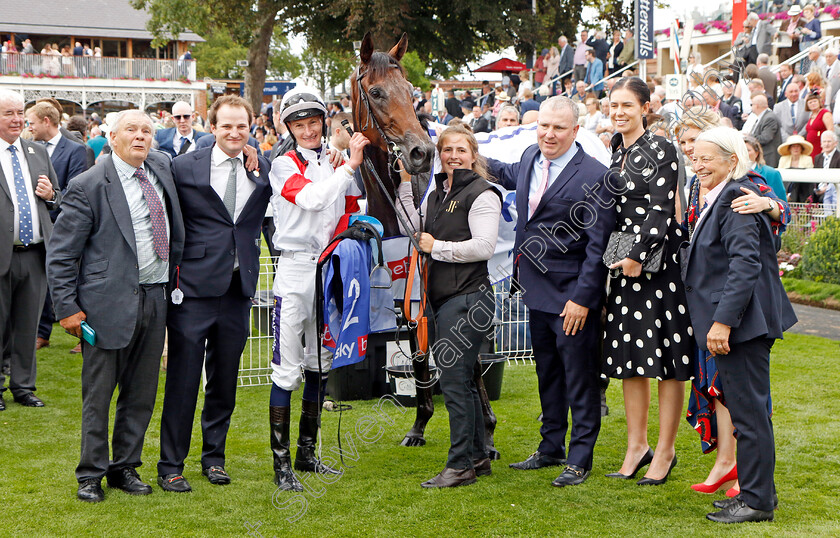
pixel 182 116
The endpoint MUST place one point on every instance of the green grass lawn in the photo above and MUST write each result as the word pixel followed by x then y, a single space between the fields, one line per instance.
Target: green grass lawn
pixel 379 493
pixel 817 293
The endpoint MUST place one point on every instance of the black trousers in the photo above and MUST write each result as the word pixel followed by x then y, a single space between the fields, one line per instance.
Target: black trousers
pixel 745 374
pixel 567 373
pixel 134 369
pixel 209 332
pixel 463 325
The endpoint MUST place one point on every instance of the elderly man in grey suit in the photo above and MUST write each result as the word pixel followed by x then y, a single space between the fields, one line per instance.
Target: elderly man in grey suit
pixel 117 239
pixel 28 190
pixel 792 115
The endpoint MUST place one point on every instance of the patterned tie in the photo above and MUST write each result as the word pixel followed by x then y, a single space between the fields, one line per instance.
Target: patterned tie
pixel 230 190
pixel 793 115
pixel 156 211
pixel 535 200
pixel 25 211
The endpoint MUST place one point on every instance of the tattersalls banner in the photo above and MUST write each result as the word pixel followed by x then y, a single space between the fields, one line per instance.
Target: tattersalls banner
pixel 644 29
pixel 739 14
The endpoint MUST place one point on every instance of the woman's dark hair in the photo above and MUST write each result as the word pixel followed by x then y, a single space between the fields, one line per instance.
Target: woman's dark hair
pixel 636 86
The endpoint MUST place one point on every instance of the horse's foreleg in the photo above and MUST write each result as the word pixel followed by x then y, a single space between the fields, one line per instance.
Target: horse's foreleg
pixel 425 405
pixel 487 412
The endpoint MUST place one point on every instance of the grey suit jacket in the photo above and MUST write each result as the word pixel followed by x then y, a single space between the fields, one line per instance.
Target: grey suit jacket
pixel 92 256
pixel 764 41
pixel 768 134
pixel 38 160
pixel 782 111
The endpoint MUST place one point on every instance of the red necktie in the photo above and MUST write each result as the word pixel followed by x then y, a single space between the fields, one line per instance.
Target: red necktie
pixel 156 211
pixel 535 200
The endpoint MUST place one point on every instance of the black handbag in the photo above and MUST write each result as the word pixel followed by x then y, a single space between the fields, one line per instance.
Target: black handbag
pixel 619 246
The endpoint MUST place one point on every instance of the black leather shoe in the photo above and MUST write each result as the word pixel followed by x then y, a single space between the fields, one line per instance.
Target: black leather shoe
pixel 482 467
pixel 129 481
pixel 2 403
pixel 451 478
pixel 646 459
pixel 723 503
pixel 174 482
pixel 538 460
pixel 739 512
pixel 217 475
pixel 90 491
pixel 645 481
pixel 29 400
pixel 572 475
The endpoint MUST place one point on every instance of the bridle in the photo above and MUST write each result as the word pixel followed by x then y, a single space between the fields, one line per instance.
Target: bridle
pixel 393 150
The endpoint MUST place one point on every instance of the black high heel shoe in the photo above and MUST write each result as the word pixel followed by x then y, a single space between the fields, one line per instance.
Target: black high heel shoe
pixel 646 459
pixel 658 481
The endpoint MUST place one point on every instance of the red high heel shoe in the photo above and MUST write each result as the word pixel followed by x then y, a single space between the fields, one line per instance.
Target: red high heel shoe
pixel 731 476
pixel 732 492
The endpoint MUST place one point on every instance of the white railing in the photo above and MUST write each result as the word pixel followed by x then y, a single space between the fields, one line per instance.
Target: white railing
pixel 57 66
pixel 511 322
pixel 810 216
pixel 826 41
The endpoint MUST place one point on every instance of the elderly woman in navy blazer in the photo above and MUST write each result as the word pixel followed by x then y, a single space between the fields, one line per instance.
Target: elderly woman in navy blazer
pixel 738 308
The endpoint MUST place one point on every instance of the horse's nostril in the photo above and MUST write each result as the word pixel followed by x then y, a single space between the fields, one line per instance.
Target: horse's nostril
pixel 417 154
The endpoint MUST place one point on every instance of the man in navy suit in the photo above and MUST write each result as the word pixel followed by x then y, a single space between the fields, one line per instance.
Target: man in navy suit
pixel 223 207
pixel 69 159
pixel 565 216
pixel 181 138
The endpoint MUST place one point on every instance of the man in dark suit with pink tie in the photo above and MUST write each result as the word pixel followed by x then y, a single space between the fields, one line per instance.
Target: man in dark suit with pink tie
pixel 565 216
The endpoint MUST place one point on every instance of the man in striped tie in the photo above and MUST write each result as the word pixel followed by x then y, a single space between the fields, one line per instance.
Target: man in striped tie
pixel 115 242
pixel 28 190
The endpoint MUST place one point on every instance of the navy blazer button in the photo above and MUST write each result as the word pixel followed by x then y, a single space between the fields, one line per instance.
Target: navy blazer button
pixel 688 288
pixel 525 229
pixel 135 291
pixel 231 252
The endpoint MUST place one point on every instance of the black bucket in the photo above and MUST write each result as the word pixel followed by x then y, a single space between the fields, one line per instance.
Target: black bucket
pixel 492 372
pixel 403 386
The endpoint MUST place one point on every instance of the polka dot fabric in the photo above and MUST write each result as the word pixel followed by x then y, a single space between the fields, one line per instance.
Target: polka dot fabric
pixel 25 235
pixel 648 332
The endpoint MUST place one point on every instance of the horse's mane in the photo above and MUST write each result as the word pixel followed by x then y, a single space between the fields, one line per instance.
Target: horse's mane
pixel 381 63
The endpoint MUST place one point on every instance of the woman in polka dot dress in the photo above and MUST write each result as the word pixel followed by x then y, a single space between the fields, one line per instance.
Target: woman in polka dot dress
pixel 648 332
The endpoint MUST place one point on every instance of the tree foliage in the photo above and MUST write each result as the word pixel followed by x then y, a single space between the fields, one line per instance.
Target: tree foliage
pixel 415 70
pixel 328 67
pixel 217 56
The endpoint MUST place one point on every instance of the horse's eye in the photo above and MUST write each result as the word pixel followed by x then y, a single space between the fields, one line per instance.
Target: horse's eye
pixel 375 93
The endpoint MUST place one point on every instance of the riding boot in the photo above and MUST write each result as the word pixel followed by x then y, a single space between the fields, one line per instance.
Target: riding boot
pixel 305 459
pixel 284 477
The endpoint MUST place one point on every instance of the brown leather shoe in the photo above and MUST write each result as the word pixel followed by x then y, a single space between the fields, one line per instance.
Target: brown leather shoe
pixel 482 467
pixel 77 349
pixel 451 478
pixel 41 342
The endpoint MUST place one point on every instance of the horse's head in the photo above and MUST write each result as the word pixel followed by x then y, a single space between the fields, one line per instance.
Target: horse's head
pixel 383 108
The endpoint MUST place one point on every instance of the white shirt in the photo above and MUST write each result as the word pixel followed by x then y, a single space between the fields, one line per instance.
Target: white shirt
pixel 554 170
pixel 52 143
pixel 8 171
pixel 307 209
pixel 179 139
pixel 827 159
pixel 219 176
pixel 752 121
pixel 153 270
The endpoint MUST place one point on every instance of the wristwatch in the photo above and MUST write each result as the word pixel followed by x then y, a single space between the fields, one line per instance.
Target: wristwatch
pixel 770 207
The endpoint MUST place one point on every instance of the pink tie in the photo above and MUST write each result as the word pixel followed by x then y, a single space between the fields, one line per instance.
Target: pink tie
pixel 535 199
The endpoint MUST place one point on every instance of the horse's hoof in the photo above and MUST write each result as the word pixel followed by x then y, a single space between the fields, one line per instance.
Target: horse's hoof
pixel 493 454
pixel 413 441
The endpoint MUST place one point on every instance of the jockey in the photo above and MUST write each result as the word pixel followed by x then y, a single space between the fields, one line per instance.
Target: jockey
pixel 310 200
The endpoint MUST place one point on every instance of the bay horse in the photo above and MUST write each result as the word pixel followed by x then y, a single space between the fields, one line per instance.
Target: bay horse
pixel 383 111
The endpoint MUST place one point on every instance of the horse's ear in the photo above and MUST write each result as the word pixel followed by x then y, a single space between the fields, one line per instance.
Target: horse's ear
pixel 367 49
pixel 399 49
